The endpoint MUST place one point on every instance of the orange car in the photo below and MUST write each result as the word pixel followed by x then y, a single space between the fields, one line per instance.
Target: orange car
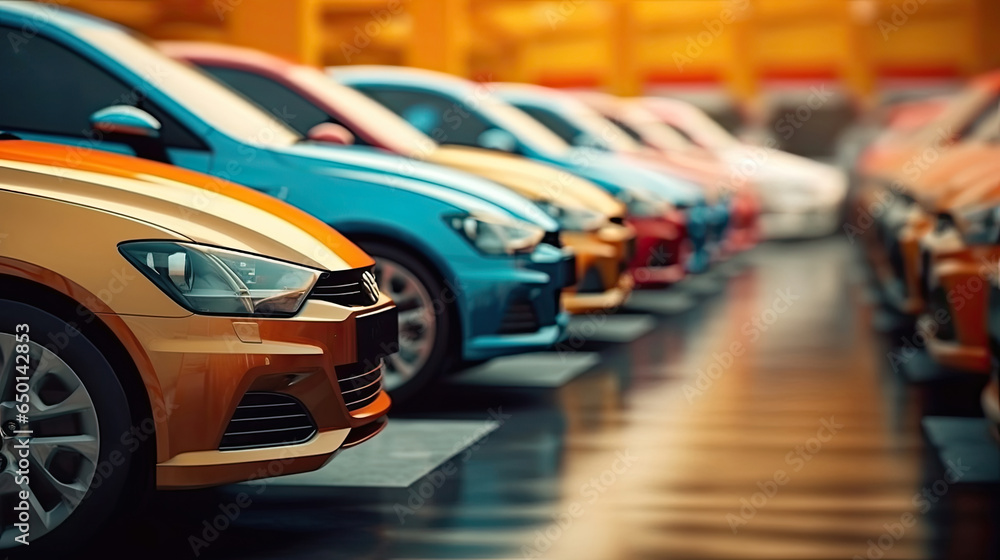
pixel 911 151
pixel 178 329
pixel 898 161
pixel 959 257
pixel 908 216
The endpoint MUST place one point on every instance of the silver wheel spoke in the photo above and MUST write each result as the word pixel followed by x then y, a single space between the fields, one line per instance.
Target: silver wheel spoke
pixel 417 322
pixel 38 513
pixel 7 484
pixel 72 493
pixel 50 379
pixel 84 445
pixel 77 401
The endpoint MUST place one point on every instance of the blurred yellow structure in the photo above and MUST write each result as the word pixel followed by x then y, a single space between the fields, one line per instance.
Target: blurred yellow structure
pixel 622 46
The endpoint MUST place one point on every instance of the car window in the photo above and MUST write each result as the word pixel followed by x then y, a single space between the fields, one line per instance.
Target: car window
pixel 561 127
pixel 60 103
pixel 444 120
pixel 274 97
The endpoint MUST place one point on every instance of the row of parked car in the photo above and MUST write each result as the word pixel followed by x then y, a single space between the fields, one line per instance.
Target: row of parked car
pixel 927 211
pixel 162 325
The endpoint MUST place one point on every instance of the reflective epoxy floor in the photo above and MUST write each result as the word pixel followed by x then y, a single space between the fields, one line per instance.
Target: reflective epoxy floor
pixel 764 422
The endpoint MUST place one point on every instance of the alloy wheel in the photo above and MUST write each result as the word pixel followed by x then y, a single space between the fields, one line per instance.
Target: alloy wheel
pixel 417 321
pixel 64 445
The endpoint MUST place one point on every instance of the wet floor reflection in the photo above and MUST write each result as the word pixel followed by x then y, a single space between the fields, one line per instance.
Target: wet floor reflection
pixel 761 423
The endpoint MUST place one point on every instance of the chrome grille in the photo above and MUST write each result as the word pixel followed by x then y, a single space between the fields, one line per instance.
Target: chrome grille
pixel 268 420
pixel 360 383
pixel 351 288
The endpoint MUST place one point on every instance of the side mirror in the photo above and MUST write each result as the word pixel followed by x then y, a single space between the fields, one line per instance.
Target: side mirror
pixel 496 139
pixel 331 134
pixel 126 120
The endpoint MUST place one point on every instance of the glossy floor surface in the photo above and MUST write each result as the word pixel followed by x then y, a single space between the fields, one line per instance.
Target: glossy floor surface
pixel 765 421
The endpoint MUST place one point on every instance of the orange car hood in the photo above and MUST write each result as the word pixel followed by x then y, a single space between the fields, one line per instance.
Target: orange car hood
pixel 531 180
pixel 961 168
pixel 201 208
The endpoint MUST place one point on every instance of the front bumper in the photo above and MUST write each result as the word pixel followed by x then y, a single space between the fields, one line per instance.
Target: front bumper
pixel 603 284
pixel 513 305
pixel 901 274
pixel 206 366
pixel 955 323
pixel 662 250
pixel 744 223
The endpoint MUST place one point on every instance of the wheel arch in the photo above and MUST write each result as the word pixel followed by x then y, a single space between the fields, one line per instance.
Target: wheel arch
pixel 64 299
pixel 426 255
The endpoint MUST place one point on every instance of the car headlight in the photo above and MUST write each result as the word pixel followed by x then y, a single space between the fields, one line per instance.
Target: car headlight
pixel 643 205
pixel 498 236
pixel 212 281
pixel 574 219
pixel 982 225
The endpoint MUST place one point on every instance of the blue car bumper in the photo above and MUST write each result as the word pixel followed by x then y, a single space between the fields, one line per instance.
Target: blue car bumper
pixel 699 227
pixel 515 307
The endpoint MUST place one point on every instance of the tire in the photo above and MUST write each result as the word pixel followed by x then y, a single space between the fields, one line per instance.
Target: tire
pixel 95 465
pixel 413 286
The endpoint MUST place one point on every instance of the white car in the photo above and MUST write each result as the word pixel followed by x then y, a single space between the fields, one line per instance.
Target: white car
pixel 799 197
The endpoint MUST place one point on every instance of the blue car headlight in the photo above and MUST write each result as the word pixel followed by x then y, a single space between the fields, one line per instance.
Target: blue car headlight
pixel 498 236
pixel 212 281
pixel 574 219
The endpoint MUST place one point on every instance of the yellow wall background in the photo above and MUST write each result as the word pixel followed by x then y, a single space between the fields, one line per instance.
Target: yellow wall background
pixel 623 46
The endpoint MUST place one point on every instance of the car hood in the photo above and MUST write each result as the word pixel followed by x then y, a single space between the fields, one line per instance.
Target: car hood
pixel 488 196
pixel 608 169
pixel 200 208
pixel 770 168
pixel 532 180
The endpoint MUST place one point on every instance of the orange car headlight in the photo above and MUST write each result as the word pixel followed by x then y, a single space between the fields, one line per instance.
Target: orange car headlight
pixel 213 281
pixel 574 219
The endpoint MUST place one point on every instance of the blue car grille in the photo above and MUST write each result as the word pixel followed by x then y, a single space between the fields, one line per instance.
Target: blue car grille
pixel 520 317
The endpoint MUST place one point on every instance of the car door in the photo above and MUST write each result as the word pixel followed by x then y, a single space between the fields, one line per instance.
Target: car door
pixel 50 91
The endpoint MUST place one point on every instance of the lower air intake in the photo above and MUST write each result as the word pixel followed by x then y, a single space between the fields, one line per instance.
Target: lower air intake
pixel 268 420
pixel 360 383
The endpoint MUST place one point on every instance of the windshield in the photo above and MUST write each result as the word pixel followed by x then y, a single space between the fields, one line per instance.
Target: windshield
pixel 607 132
pixel 379 124
pixel 706 131
pixel 527 130
pixel 211 102
pixel 653 131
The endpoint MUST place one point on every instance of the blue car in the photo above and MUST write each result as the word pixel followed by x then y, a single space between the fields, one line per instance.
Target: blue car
pixel 452 110
pixel 475 270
